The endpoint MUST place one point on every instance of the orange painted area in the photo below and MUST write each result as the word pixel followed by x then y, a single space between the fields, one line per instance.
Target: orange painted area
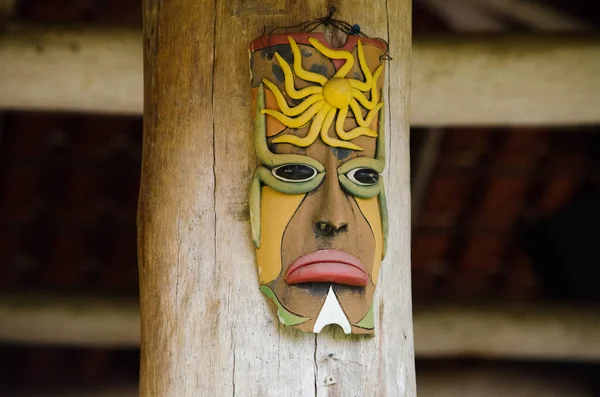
pixel 274 126
pixel 374 123
pixel 370 209
pixel 276 210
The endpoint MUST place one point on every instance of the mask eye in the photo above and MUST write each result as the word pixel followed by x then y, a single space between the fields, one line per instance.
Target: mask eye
pixel 363 176
pixel 294 172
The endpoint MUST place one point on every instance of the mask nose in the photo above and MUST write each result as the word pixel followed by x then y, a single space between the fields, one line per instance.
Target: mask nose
pixel 334 212
pixel 327 229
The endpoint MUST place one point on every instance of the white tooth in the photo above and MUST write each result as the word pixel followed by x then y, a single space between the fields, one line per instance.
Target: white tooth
pixel 332 313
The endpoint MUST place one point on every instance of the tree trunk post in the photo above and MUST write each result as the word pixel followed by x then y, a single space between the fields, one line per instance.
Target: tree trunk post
pixel 206 330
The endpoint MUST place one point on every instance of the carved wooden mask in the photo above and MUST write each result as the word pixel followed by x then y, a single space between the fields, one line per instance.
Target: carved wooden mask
pixel 317 203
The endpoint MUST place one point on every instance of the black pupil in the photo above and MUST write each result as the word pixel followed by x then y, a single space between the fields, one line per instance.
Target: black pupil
pixel 295 172
pixel 366 175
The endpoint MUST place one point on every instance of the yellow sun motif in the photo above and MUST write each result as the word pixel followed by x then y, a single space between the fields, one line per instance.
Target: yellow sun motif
pixel 328 102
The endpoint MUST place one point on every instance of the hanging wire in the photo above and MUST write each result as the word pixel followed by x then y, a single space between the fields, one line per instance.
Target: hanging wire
pixel 328 20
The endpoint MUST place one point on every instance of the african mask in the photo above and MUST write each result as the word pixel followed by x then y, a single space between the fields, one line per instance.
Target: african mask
pixel 317 203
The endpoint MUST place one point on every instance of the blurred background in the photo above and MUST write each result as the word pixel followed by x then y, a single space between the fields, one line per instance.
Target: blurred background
pixel 505 169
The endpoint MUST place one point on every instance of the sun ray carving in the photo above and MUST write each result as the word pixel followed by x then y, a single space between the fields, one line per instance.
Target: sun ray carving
pixel 329 101
pixel 299 121
pixel 335 54
pixel 296 110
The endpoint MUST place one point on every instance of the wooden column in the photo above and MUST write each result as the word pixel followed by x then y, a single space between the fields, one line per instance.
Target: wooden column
pixel 206 329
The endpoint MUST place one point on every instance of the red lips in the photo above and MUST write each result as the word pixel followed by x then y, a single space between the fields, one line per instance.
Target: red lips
pixel 327 266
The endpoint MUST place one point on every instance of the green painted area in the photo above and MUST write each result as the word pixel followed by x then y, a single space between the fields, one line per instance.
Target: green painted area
pixel 384 218
pixel 286 317
pixel 254 204
pixel 368 321
pixel 354 189
pixel 364 192
pixel 361 162
pixel 270 180
pixel 381 131
pixel 381 157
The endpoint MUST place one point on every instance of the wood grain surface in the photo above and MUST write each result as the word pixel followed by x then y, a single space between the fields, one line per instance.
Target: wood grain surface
pixel 206 330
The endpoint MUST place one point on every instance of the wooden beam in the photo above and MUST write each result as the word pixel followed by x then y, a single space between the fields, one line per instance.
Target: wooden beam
pixel 51 319
pixel 82 69
pixel 205 328
pixel 522 331
pixel 506 80
pixel 527 331
pixel 463 80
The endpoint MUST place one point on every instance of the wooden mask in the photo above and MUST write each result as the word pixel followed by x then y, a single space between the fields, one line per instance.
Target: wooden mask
pixel 317 203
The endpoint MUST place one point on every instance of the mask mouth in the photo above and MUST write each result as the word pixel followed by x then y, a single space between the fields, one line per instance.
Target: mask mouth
pixel 327 266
